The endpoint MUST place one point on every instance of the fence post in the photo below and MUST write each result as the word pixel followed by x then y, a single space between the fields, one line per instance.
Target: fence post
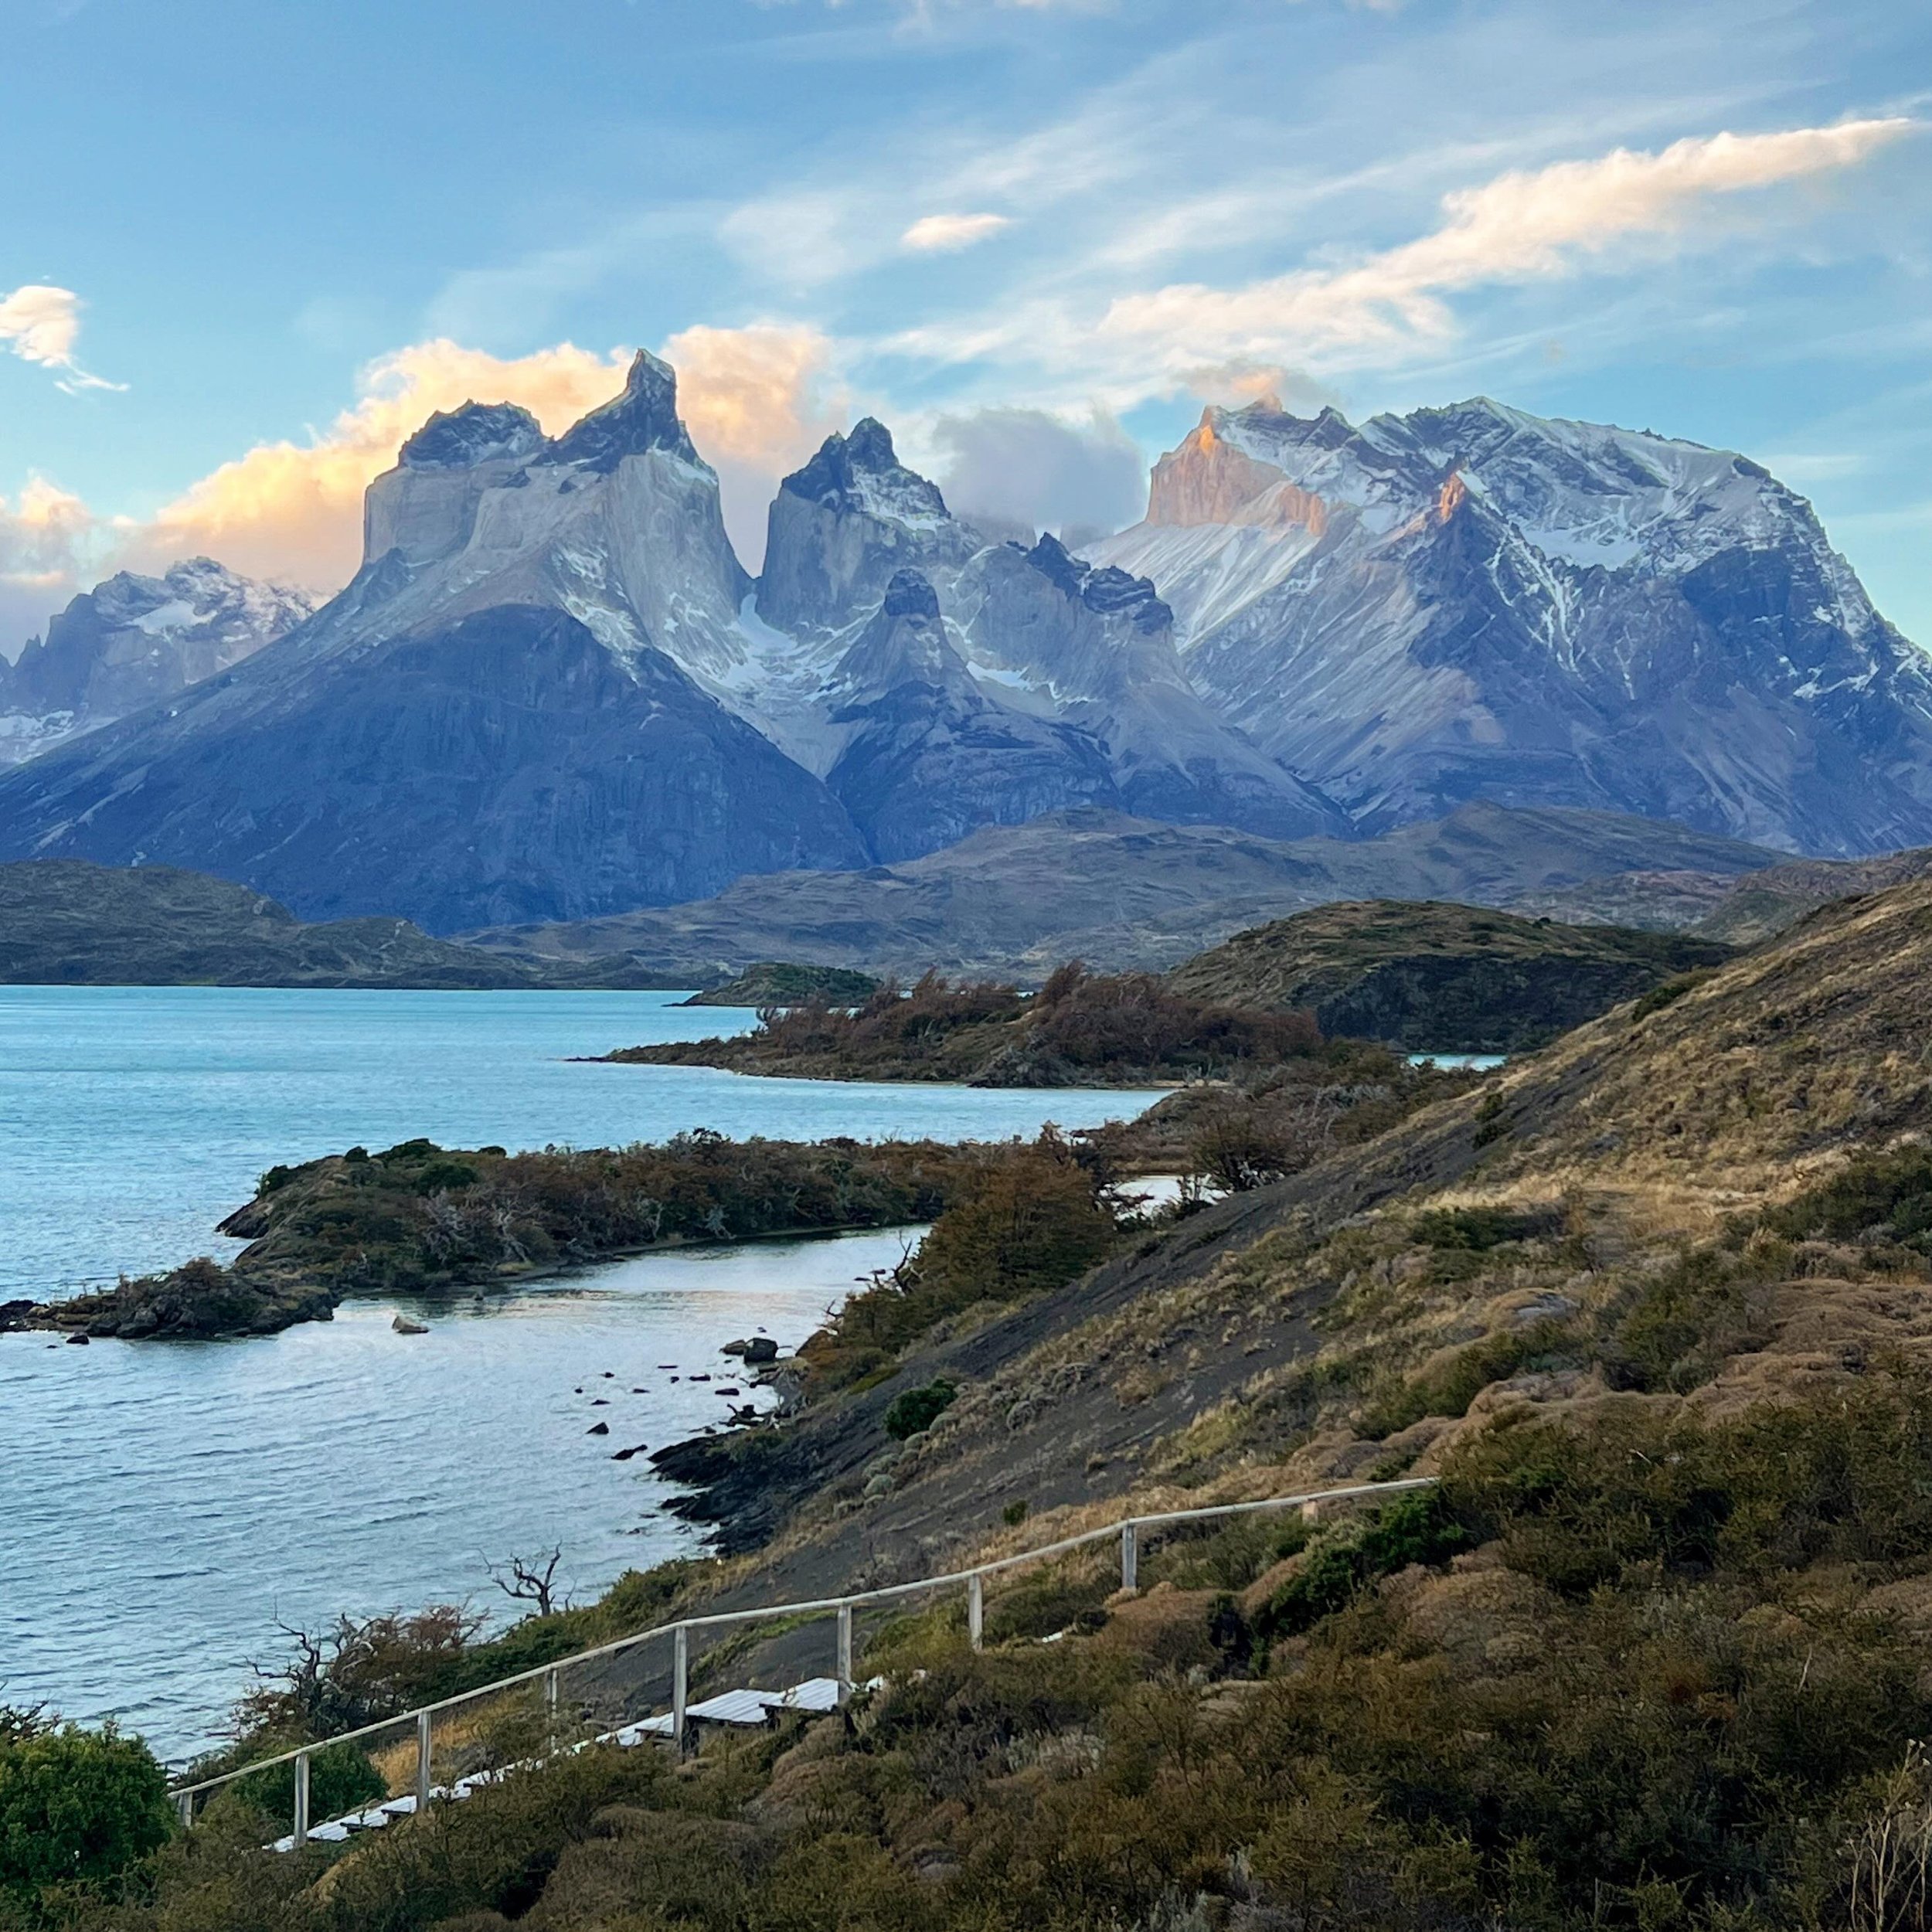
pixel 680 1678
pixel 845 1652
pixel 1129 1556
pixel 423 1721
pixel 976 1610
pixel 301 1799
pixel 185 1805
pixel 553 1691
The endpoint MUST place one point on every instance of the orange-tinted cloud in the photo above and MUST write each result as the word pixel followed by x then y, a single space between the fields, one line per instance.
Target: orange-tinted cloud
pixel 758 401
pixel 293 511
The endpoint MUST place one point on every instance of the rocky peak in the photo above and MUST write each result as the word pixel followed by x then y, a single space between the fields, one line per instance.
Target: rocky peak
pixel 861 472
pixel 643 418
pixel 459 439
pixel 1106 590
pixel 909 594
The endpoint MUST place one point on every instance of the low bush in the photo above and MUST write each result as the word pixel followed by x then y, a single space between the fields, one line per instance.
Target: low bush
pixel 78 1808
pixel 918 1409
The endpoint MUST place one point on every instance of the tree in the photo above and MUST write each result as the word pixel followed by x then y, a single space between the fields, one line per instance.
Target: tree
pixel 76 1807
pixel 529 1580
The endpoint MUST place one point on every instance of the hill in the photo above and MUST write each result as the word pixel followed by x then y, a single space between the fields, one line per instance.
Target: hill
pixel 65 922
pixel 1773 901
pixel 778 983
pixel 1449 978
pixel 1652 1306
pixel 1123 894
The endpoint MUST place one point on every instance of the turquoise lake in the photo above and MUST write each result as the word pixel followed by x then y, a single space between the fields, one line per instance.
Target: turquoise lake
pixel 164 1506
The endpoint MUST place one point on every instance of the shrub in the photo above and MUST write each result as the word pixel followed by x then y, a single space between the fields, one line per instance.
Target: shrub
pixel 75 1806
pixel 1418 1529
pixel 341 1779
pixel 1887 1194
pixel 918 1409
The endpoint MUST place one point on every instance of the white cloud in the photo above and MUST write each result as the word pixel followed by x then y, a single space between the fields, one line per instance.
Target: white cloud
pixel 1046 471
pixel 41 324
pixel 944 234
pixel 294 511
pixel 1384 308
pixel 48 539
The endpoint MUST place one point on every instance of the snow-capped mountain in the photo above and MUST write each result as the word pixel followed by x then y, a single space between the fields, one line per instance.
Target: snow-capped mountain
pixel 925 755
pixel 1039 634
pixel 133 640
pixel 493 721
pixel 1472 601
pixel 552 692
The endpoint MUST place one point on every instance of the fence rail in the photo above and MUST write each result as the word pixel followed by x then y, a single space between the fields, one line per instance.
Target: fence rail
pixel 1128 1533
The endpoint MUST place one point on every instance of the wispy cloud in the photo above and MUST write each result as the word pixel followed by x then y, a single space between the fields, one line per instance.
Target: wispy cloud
pixel 41 323
pixel 1521 225
pixel 943 234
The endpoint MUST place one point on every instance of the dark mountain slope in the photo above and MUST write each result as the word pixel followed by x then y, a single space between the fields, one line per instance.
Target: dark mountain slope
pixel 507 767
pixel 1120 893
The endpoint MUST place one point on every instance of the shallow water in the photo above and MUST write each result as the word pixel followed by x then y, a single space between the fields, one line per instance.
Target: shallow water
pixel 163 1505
pixel 132 1118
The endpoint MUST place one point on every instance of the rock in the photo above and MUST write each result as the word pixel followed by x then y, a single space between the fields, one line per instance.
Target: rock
pixel 761 1348
pixel 77 1341
pixel 403 1325
pixel 727 1392
pixel 735 1348
pixel 598 1429
pixel 625 1455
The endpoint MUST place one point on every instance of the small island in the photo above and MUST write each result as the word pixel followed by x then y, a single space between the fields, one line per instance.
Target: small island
pixel 776 982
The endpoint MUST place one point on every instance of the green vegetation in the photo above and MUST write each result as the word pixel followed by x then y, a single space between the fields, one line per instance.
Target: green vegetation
pixel 1081 1029
pixel 1440 978
pixel 419 1218
pixel 780 983
pixel 919 1409
pixel 77 1810
pixel 1656 1673
pixel 1019 1221
pixel 1885 1197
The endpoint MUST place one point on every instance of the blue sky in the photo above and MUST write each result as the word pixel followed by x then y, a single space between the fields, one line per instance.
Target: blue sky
pixel 1033 236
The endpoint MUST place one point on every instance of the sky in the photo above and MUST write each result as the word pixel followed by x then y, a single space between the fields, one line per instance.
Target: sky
pixel 247 245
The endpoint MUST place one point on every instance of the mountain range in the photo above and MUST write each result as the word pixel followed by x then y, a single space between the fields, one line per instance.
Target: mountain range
pixel 133 640
pixel 552 692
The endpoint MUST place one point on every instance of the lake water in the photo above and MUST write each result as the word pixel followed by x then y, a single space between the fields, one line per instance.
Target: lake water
pixel 163 1505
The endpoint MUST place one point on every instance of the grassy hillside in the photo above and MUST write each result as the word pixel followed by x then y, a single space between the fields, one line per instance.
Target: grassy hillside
pixel 1452 977
pixel 65 922
pixel 1655 1304
pixel 1769 903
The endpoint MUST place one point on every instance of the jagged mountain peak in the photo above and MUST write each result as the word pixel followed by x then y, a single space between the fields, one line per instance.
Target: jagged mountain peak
pixel 461 438
pixel 132 639
pixel 910 594
pixel 1472 598
pixel 861 473
pixel 643 418
pixel 1102 588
